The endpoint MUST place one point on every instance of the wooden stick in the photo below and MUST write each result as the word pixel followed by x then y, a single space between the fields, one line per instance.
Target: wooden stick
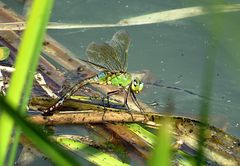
pixel 90 116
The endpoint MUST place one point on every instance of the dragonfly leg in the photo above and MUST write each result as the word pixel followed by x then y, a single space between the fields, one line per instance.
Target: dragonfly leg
pixel 126 92
pixel 113 93
pixel 134 99
pixel 125 101
pixel 104 111
pixel 126 97
pixel 108 95
pixel 103 101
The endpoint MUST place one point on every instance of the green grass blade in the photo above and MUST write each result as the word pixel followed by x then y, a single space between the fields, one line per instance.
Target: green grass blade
pixel 91 154
pixel 28 56
pixel 161 155
pixel 22 109
pixel 207 84
pixel 141 132
pixel 38 138
pixel 13 150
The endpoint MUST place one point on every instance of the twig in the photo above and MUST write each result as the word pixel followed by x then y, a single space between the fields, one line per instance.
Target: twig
pixel 151 18
pixel 90 116
pixel 7 68
pixel 38 77
pixel 41 81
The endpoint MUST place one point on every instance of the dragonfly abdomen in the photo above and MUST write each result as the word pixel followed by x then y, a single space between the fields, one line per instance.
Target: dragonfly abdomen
pixel 60 101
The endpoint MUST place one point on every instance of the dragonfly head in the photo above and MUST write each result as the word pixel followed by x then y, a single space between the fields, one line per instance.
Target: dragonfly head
pixel 136 85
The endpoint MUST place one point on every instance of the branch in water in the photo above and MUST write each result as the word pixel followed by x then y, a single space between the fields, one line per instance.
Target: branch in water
pixel 89 116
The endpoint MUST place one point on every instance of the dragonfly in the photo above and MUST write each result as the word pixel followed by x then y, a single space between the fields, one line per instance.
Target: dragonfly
pixel 110 59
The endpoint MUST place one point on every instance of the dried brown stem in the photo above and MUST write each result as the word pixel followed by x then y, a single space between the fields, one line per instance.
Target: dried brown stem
pixel 90 116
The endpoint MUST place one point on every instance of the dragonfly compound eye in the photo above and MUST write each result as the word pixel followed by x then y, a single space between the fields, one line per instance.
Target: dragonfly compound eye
pixel 137 85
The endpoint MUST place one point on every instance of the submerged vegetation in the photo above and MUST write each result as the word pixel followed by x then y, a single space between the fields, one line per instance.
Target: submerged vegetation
pixel 111 134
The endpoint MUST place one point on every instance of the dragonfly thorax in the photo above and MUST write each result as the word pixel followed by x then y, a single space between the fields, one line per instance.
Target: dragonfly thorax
pixel 119 79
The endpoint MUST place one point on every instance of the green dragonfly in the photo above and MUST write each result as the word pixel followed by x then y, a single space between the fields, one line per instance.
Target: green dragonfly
pixel 110 59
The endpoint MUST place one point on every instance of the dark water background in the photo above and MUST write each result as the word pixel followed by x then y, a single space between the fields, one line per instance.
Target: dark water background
pixel 173 52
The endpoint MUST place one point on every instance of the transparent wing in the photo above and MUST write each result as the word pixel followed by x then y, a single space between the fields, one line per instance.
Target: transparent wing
pixel 110 56
pixel 120 42
pixel 104 56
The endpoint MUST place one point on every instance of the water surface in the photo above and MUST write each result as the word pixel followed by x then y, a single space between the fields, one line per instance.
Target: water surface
pixel 174 52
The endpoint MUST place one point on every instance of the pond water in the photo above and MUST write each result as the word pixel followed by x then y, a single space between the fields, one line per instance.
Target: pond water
pixel 174 52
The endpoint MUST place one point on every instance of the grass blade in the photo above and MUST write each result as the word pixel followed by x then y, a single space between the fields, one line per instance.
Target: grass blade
pixel 38 138
pixel 26 61
pixel 161 155
pixel 91 154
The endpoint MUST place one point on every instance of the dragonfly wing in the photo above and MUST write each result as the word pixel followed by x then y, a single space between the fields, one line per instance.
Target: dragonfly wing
pixel 104 56
pixel 120 42
pixel 96 66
